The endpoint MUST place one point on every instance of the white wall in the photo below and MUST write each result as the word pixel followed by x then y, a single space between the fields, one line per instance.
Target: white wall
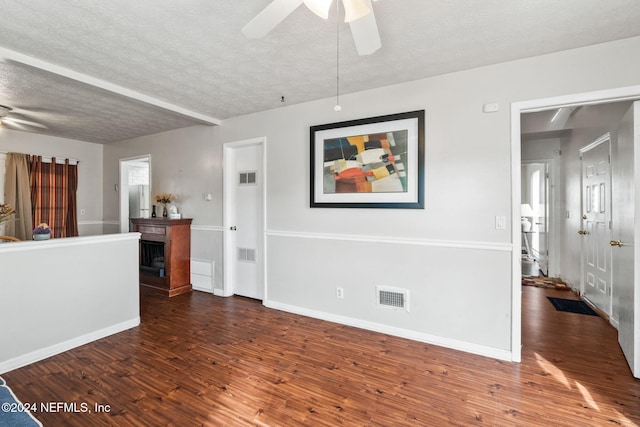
pixel 62 293
pixel 450 257
pixel 187 163
pixel 541 149
pixel 432 252
pixel 89 170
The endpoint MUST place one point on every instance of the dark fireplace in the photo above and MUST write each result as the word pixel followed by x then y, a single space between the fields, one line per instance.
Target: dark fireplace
pixel 152 257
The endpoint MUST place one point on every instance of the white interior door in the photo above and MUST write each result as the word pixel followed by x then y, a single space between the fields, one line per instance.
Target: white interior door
pixel 625 262
pixel 596 222
pixel 244 219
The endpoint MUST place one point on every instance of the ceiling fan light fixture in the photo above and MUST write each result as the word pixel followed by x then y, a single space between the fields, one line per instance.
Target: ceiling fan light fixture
pixel 4 110
pixel 319 7
pixel 355 9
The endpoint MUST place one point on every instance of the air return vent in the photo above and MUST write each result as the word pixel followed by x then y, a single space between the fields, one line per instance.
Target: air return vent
pixel 393 298
pixel 246 255
pixel 247 178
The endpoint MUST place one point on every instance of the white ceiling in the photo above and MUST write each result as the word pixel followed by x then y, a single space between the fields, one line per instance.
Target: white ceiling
pixel 104 71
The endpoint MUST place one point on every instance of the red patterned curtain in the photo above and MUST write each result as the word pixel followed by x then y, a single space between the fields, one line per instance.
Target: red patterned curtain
pixel 53 195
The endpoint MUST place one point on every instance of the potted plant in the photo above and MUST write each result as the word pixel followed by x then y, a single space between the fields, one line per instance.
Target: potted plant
pixel 164 199
pixel 42 232
pixel 6 212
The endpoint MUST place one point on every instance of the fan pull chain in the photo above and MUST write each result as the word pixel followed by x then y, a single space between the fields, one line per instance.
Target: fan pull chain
pixel 337 107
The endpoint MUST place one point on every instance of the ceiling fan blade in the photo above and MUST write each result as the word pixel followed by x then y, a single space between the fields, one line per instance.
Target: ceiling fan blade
pixel 365 33
pixel 9 123
pixel 18 122
pixel 269 18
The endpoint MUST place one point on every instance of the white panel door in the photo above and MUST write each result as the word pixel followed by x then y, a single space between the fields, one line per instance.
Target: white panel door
pixel 596 218
pixel 626 294
pixel 246 222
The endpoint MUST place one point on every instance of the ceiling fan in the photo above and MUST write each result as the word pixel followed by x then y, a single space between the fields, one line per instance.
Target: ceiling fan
pixel 358 13
pixel 7 117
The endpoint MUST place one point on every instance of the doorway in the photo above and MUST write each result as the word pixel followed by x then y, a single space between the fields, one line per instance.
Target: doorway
pixel 135 186
pixel 244 218
pixel 631 305
pixel 536 204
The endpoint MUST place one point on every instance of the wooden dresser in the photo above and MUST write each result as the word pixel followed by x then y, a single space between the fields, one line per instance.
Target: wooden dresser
pixel 165 254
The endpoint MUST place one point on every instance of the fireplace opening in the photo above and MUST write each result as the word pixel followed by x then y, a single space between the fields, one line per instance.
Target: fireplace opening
pixel 152 258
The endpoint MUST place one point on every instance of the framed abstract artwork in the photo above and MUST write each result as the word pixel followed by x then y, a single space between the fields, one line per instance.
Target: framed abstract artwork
pixel 377 162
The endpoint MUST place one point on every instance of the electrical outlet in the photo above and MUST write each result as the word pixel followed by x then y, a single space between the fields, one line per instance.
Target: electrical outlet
pixel 339 293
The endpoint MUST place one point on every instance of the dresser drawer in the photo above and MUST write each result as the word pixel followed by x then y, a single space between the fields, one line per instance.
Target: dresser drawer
pixel 150 229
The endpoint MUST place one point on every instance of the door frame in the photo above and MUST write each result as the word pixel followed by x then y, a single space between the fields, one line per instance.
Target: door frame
pixel 124 188
pixel 228 215
pixel 517 108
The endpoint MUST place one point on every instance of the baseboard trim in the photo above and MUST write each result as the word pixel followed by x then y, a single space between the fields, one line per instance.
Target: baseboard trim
pixel 476 349
pixel 570 284
pixel 220 293
pixel 43 353
pixel 201 289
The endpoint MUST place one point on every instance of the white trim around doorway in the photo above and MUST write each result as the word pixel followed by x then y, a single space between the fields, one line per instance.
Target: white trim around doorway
pixel 123 174
pixel 586 98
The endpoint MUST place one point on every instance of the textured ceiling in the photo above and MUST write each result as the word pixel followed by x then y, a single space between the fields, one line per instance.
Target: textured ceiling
pixel 191 54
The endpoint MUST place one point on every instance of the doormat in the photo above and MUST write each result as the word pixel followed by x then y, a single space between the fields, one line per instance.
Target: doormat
pixel 572 306
pixel 545 282
pixel 13 412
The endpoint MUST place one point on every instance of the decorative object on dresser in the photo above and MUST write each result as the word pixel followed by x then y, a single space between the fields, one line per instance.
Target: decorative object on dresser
pixel 164 199
pixel 165 254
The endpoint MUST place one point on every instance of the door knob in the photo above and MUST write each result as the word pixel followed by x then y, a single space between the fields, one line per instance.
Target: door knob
pixel 232 228
pixel 582 232
pixel 616 243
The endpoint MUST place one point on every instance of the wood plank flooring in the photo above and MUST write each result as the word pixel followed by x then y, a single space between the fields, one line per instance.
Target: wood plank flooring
pixel 200 360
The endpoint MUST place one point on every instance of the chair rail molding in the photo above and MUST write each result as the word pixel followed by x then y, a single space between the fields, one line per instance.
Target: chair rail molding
pixel 460 244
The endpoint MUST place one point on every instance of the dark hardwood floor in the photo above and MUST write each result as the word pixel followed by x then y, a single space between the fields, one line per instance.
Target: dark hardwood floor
pixel 204 360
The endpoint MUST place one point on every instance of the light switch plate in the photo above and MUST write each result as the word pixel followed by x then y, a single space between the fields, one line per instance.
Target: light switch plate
pixel 501 222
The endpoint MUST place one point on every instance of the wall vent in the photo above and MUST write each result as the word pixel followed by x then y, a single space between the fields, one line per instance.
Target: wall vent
pixel 393 298
pixel 247 178
pixel 246 255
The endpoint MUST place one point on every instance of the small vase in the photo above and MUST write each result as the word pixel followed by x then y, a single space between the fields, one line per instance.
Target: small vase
pixel 41 236
pixel 164 211
pixel 153 211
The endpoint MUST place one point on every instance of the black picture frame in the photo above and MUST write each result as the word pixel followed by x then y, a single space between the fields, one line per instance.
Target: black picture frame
pixel 375 162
